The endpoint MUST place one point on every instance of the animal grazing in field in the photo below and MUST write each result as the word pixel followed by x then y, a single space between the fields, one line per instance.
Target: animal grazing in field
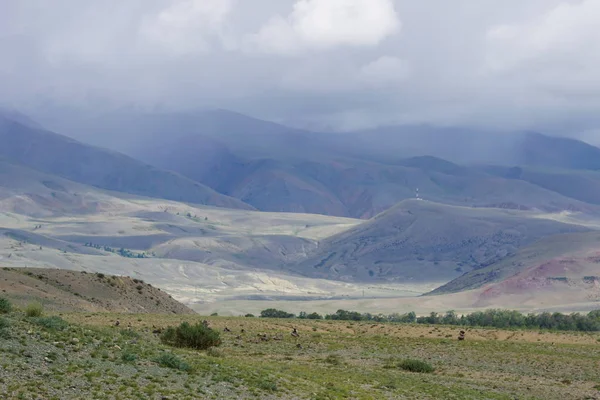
pixel 295 333
pixel 461 335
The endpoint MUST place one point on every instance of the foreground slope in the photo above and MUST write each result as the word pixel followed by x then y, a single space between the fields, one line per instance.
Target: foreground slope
pixel 55 154
pixel 330 360
pixel 65 291
pixel 425 241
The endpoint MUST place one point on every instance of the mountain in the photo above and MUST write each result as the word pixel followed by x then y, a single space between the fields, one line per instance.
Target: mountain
pixel 424 241
pixel 362 189
pixel 355 174
pixel 582 185
pixel 59 155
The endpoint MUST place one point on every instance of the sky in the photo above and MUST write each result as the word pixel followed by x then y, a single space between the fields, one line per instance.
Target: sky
pixel 320 64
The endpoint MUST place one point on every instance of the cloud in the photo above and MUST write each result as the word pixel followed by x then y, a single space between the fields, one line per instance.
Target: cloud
pixel 327 24
pixel 495 64
pixel 385 70
pixel 558 50
pixel 185 25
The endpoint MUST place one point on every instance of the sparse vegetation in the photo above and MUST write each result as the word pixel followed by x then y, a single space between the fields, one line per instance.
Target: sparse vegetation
pixel 89 356
pixel 53 323
pixel 122 251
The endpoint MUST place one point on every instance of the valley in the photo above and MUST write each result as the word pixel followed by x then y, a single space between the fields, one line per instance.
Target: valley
pixel 239 227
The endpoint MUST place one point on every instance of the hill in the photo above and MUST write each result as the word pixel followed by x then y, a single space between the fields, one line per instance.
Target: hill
pixel 65 291
pixel 555 265
pixel 58 155
pixel 425 241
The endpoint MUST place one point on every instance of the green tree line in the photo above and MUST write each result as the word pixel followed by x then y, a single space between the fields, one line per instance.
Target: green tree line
pixel 494 318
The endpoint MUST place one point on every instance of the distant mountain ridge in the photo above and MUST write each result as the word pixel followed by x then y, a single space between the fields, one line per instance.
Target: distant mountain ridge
pixel 65 157
pixel 356 174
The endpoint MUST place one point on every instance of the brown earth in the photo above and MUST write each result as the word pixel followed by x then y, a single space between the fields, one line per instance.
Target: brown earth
pixel 62 290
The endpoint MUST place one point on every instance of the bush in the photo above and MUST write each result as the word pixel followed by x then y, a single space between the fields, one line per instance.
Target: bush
pixel 195 336
pixel 34 310
pixel 128 357
pixel 273 313
pixel 416 366
pixel 249 315
pixel 52 323
pixel 170 360
pixel 4 323
pixel 5 306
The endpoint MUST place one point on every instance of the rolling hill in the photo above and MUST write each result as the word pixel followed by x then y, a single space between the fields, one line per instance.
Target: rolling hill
pixel 61 290
pixel 424 241
pixel 58 155
pixel 562 260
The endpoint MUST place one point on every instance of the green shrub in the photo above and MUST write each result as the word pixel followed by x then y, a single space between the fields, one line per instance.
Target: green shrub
pixel 52 323
pixel 34 310
pixel 195 336
pixel 274 313
pixel 4 323
pixel 170 360
pixel 128 357
pixel 5 306
pixel 416 366
pixel 249 315
pixel 267 384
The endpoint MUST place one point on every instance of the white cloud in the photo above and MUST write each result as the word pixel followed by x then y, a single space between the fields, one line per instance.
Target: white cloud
pixel 183 27
pixel 558 48
pixel 325 24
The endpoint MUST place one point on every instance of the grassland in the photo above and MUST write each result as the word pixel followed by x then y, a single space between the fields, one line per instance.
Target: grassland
pixel 90 357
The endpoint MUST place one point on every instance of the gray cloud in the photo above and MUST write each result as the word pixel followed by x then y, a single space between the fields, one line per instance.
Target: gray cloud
pixel 341 64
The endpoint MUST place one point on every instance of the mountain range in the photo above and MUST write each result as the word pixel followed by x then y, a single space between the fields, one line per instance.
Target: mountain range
pixel 222 192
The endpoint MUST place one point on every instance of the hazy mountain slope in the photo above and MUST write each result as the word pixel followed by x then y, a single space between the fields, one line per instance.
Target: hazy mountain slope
pixel 55 154
pixel 569 255
pixel 576 184
pixel 355 174
pixel 353 187
pixel 545 151
pixel 424 241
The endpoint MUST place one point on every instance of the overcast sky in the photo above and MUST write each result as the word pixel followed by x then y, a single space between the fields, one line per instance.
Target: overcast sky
pixel 341 64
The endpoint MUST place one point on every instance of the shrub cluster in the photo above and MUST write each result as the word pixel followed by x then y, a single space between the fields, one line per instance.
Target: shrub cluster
pixel 170 360
pixel 195 336
pixel 5 306
pixel 416 366
pixel 51 323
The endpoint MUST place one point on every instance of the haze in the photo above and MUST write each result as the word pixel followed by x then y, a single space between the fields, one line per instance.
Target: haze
pixel 319 64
